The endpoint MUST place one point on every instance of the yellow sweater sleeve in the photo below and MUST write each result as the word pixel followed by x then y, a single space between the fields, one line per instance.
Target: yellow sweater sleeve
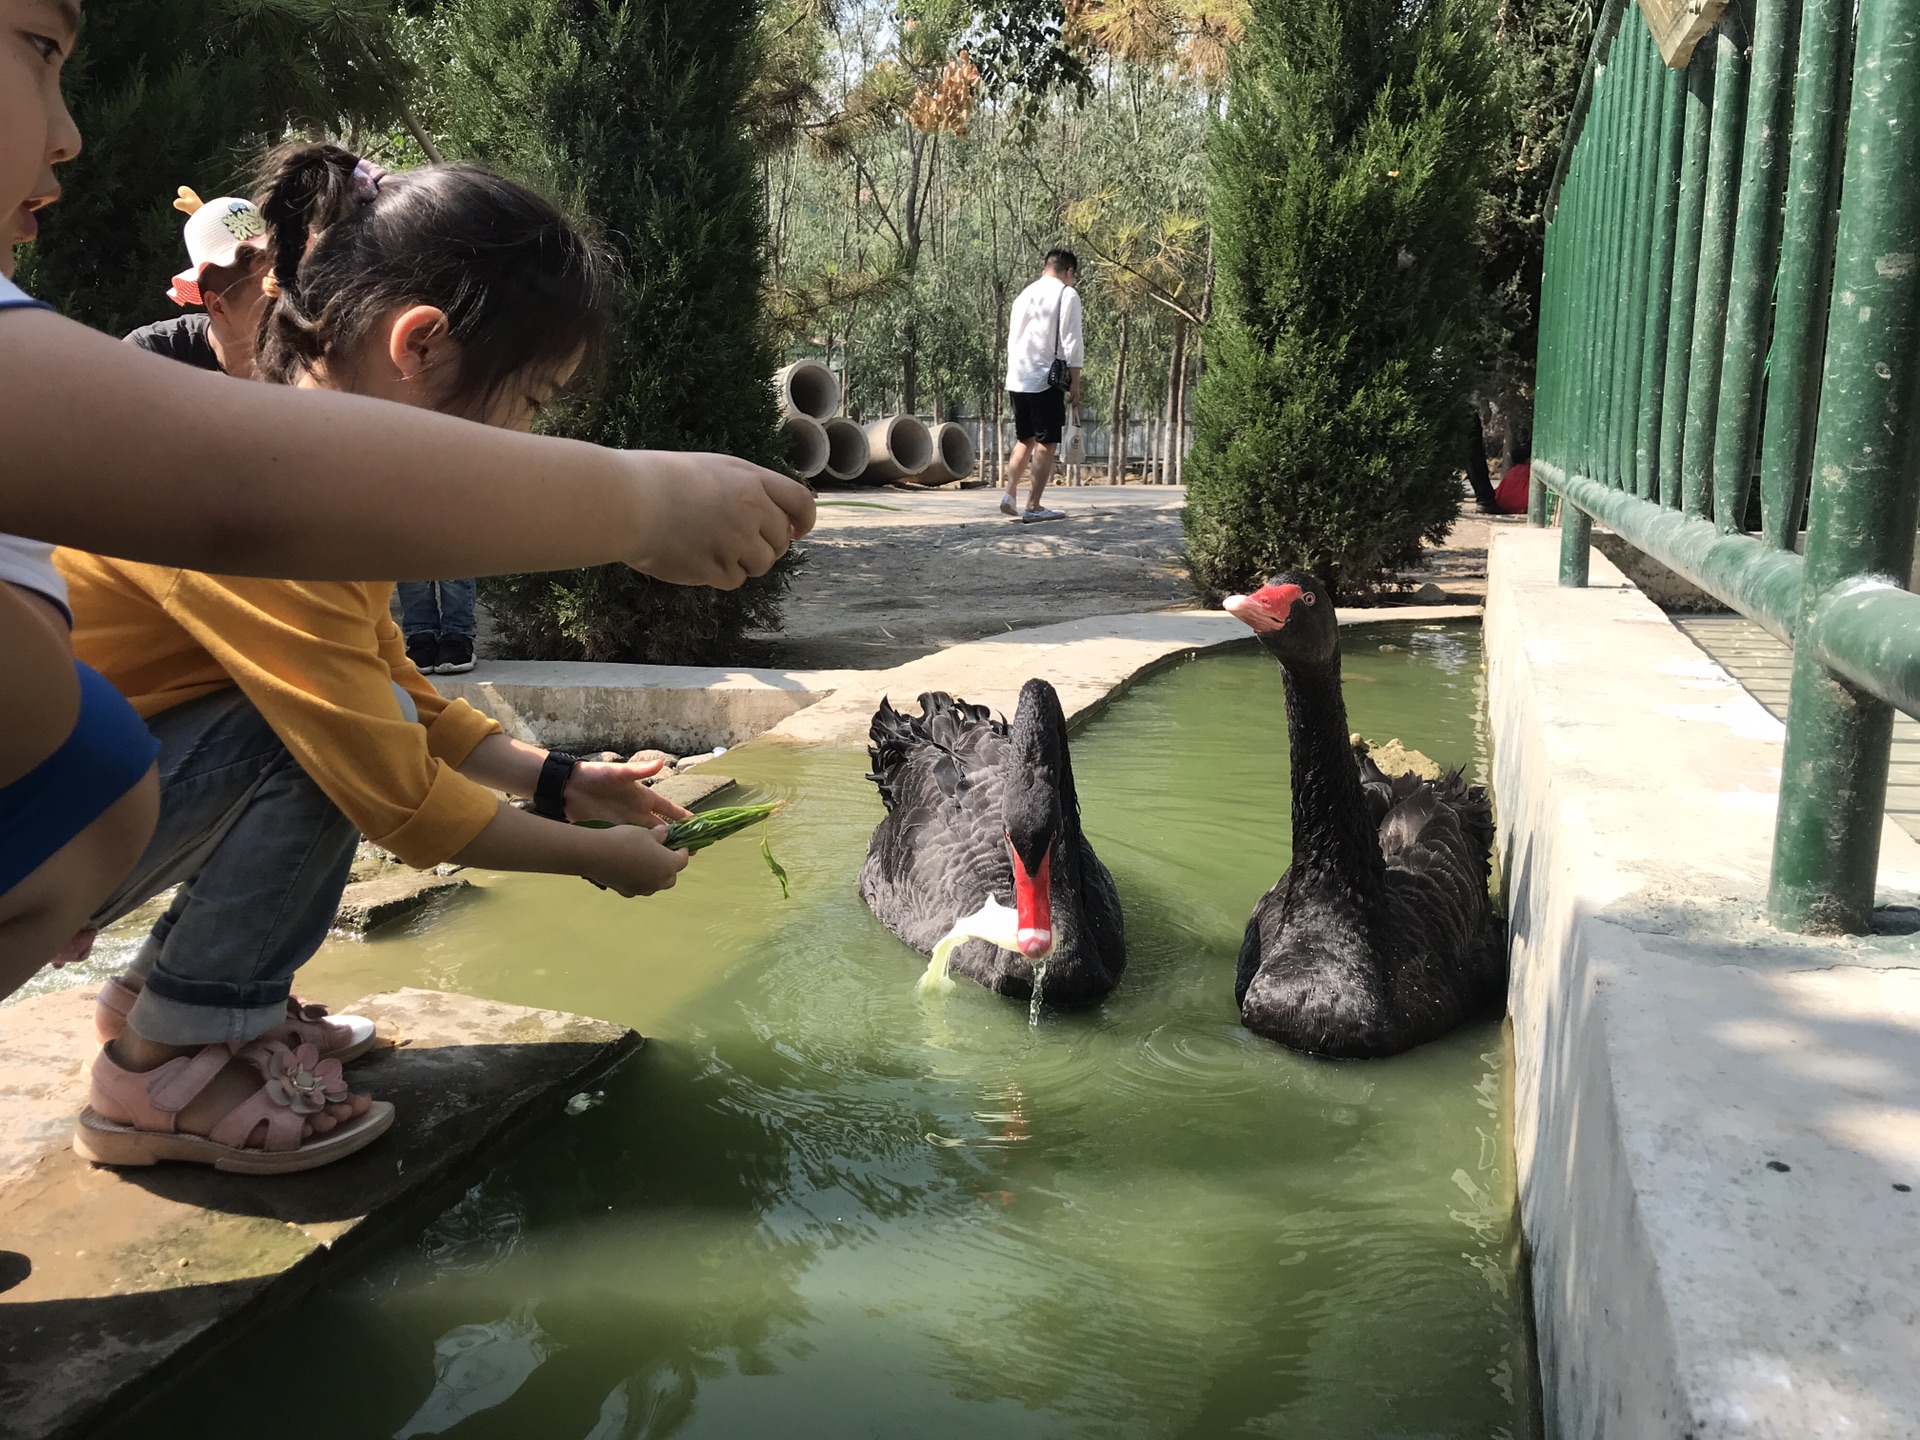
pixel 453 726
pixel 316 661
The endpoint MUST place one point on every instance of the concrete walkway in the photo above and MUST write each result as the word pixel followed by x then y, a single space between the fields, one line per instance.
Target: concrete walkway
pixel 111 1278
pixel 1764 667
pixel 1717 1125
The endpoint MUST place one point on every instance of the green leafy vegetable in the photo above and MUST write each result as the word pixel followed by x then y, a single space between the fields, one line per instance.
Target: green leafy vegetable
pixel 709 827
pixel 766 851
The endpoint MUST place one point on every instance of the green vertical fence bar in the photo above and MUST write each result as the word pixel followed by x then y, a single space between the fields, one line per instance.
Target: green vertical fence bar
pixel 1756 256
pixel 1716 258
pixel 1620 171
pixel 1672 90
pixel 1549 384
pixel 1605 178
pixel 1588 184
pixel 1799 325
pixel 1862 511
pixel 1645 144
pixel 1696 137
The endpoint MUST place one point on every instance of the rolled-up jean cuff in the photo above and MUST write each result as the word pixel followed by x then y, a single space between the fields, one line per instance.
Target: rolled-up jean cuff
pixel 172 1021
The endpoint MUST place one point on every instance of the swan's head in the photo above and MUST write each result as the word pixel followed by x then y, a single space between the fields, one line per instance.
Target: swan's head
pixel 1035 810
pixel 1293 616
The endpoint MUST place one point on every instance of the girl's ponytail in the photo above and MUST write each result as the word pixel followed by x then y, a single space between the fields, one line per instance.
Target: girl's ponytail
pixel 304 189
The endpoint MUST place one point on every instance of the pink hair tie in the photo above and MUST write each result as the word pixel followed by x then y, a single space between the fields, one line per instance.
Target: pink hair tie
pixel 366 180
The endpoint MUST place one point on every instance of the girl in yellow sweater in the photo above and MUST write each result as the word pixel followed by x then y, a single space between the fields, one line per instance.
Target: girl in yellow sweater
pixel 289 719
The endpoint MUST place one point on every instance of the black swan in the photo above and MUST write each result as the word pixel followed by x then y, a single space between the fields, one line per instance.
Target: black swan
pixel 975 808
pixel 1381 935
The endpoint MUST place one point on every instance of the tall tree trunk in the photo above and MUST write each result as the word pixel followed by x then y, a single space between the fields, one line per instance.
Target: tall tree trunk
pixel 910 372
pixel 1179 475
pixel 1117 420
pixel 1169 440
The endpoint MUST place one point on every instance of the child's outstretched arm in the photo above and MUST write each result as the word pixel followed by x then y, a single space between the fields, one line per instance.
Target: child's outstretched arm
pixel 116 451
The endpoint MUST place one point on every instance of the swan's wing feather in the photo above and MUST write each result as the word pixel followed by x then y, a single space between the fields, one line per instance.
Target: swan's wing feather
pixel 941 836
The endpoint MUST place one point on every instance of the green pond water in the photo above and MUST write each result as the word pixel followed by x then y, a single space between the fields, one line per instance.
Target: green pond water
pixel 820 1204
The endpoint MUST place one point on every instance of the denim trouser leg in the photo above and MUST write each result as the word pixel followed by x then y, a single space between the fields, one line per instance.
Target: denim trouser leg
pixel 456 607
pixel 419 608
pixel 437 607
pixel 262 856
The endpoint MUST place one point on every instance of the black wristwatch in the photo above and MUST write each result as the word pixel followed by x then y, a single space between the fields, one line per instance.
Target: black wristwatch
pixel 550 790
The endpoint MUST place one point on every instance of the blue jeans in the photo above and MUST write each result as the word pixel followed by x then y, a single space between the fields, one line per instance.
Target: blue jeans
pixel 449 612
pixel 261 856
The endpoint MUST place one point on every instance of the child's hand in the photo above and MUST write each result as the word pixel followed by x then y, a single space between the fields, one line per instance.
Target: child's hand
pixel 629 860
pixel 716 519
pixel 601 790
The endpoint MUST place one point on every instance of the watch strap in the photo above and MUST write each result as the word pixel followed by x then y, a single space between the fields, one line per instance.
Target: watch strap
pixel 550 790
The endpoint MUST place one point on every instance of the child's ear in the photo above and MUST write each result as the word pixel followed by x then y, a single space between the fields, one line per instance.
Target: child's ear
pixel 419 340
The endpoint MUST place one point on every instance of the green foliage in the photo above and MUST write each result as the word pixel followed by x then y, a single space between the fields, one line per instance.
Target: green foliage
pixel 631 110
pixel 1346 192
pixel 1539 47
pixel 185 92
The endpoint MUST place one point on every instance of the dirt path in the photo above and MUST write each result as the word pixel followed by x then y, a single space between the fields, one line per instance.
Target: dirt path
pixel 935 568
pixel 897 574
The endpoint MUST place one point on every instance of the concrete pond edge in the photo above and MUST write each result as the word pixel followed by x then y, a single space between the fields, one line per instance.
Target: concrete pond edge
pixel 685 708
pixel 1713 1120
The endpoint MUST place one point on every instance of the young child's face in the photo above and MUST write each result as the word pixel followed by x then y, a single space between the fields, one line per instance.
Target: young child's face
pixel 36 132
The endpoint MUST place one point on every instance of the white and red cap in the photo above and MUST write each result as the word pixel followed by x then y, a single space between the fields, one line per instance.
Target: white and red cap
pixel 216 231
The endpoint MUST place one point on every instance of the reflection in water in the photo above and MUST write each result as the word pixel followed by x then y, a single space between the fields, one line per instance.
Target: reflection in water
pixel 817 1205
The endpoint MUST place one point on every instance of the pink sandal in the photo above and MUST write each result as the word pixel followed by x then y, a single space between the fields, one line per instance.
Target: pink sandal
pixel 132 1116
pixel 336 1037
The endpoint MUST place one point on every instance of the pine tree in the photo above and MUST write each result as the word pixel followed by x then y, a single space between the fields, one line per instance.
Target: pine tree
pixel 1539 47
pixel 630 111
pixel 186 92
pixel 1346 187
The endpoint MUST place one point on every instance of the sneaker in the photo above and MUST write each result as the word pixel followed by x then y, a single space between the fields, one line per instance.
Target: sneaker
pixel 424 651
pixel 1043 513
pixel 456 655
pixel 1009 507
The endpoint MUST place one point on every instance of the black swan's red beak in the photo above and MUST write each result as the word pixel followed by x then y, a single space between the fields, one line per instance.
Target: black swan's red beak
pixel 1033 904
pixel 1266 609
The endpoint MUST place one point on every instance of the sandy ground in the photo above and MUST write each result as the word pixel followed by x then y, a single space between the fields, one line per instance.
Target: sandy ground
pixel 883 586
pixel 935 568
pixel 895 574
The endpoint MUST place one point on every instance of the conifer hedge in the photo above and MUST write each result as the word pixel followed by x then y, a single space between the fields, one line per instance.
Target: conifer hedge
pixel 1346 182
pixel 629 111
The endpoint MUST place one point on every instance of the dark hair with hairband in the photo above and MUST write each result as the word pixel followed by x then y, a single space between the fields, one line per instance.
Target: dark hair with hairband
pixel 348 243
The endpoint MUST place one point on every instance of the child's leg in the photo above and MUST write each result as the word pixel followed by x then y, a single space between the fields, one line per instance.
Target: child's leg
pixel 264 856
pixel 267 855
pixel 42 913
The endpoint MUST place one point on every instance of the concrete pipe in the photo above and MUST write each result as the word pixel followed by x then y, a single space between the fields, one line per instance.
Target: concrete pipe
pixel 806 387
pixel 806 445
pixel 953 456
pixel 901 447
pixel 846 449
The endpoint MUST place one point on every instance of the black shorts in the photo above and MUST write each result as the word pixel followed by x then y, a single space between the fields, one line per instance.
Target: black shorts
pixel 1039 417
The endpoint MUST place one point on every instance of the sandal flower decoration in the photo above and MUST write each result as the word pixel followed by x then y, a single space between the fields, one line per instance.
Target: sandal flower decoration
pixel 302 1081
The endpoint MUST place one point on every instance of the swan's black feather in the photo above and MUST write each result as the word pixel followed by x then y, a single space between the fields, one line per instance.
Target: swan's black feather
pixel 944 776
pixel 1367 949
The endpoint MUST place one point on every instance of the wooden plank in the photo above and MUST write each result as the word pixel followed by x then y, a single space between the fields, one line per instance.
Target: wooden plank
pixel 1677 25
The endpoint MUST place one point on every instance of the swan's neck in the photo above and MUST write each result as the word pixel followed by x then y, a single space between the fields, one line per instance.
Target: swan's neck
pixel 1335 844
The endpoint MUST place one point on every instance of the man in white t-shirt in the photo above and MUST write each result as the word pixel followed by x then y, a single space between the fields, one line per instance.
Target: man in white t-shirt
pixel 1044 328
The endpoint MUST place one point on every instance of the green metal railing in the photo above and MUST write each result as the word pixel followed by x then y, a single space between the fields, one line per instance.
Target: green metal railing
pixel 1732 292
